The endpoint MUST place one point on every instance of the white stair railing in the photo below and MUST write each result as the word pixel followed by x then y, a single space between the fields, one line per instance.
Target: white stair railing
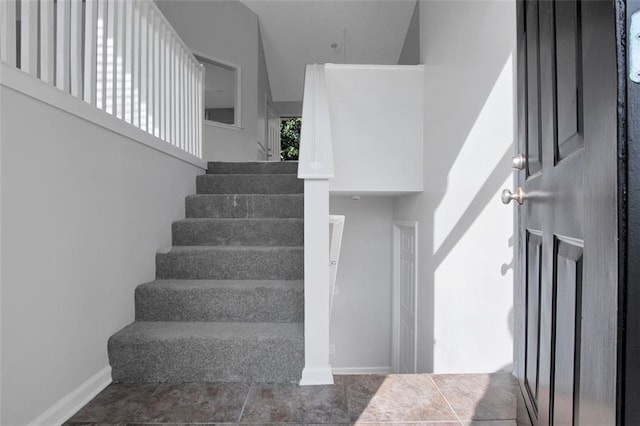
pixel 335 246
pixel 121 56
pixel 315 166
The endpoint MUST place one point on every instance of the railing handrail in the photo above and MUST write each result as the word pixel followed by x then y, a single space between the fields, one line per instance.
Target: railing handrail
pixel 120 56
pixel 164 19
pixel 315 160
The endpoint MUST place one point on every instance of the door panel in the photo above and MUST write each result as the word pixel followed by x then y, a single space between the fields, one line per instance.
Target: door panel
pixel 568 288
pixel 569 78
pixel 404 296
pixel 566 226
pixel 534 265
pixel 533 149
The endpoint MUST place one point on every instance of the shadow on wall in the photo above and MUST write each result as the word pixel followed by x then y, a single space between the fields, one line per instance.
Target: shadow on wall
pixel 466 235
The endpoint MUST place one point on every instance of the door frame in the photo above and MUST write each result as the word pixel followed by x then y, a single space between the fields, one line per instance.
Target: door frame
pixel 628 380
pixel 395 294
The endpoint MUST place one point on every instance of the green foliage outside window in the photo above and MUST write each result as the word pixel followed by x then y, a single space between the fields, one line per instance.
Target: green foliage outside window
pixel 290 139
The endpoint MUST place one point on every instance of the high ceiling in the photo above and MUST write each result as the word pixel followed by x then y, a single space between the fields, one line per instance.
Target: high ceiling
pixel 300 32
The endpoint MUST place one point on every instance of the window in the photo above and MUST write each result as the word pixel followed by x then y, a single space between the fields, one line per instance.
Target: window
pixel 221 92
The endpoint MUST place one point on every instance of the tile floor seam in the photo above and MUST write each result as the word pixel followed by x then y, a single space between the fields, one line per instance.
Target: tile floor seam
pixel 144 404
pixel 244 405
pixel 455 413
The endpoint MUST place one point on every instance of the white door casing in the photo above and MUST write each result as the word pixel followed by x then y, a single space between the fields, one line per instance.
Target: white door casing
pixel 404 308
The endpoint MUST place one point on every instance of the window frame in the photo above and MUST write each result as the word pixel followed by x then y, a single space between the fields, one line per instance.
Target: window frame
pixel 237 125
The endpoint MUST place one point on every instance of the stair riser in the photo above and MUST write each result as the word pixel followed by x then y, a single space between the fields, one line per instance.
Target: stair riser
pixel 279 167
pixel 207 360
pixel 278 264
pixel 238 233
pixel 263 304
pixel 245 206
pixel 249 184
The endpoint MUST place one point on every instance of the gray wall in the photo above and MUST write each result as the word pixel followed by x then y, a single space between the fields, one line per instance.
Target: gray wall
pixel 226 31
pixel 83 212
pixel 361 320
pixel 410 54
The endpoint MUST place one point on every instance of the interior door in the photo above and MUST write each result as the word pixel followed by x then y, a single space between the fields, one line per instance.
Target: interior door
pixel 566 285
pixel 405 254
pixel 273 134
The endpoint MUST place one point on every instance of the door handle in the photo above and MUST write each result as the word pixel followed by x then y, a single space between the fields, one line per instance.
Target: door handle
pixel 508 196
pixel 519 162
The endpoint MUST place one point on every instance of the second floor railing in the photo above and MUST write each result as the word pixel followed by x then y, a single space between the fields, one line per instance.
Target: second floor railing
pixel 121 56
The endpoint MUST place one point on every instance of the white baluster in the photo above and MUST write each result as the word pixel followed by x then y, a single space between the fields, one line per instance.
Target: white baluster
pixel 47 50
pixel 29 37
pixel 151 120
pixel 8 32
pixel 101 54
pixel 119 77
pixel 174 92
pixel 90 56
pixel 189 106
pixel 200 110
pixel 156 78
pixel 136 64
pixel 144 62
pixel 128 62
pixel 76 48
pixel 111 56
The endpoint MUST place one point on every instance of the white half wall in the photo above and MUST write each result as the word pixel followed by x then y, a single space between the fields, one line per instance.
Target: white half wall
pixel 376 127
pixel 226 31
pixel 361 320
pixel 84 211
pixel 465 288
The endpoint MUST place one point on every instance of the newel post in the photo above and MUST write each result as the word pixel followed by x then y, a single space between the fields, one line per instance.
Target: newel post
pixel 315 166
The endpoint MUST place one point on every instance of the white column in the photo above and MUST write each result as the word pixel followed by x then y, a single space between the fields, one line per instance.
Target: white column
pixel 317 370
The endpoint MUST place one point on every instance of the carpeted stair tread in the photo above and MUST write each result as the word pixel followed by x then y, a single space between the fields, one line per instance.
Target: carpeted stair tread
pixel 231 262
pixel 253 167
pixel 220 300
pixel 245 206
pixel 236 232
pixel 249 184
pixel 154 351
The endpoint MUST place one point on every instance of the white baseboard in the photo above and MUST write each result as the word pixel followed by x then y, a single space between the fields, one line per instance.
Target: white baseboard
pixel 316 376
pixel 62 410
pixel 361 370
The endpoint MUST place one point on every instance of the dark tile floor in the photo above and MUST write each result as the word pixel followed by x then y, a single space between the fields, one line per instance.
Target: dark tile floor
pixel 425 399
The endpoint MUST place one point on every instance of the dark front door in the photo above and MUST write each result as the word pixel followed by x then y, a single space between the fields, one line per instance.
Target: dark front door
pixel 566 286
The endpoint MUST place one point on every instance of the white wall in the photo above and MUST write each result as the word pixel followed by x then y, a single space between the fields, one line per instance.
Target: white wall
pixel 361 320
pixel 84 211
pixel 376 127
pixel 466 234
pixel 227 31
pixel 264 95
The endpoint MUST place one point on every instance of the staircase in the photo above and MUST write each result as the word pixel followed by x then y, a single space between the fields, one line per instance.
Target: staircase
pixel 227 304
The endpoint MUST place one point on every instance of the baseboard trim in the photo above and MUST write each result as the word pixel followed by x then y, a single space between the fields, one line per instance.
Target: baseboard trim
pixel 316 376
pixel 362 370
pixel 62 410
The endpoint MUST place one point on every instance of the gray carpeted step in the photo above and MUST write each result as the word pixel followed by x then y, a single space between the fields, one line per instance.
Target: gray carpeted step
pixel 238 232
pixel 249 184
pixel 245 205
pixel 223 301
pixel 231 263
pixel 255 167
pixel 152 352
